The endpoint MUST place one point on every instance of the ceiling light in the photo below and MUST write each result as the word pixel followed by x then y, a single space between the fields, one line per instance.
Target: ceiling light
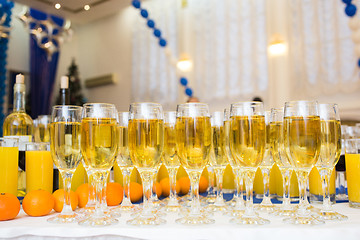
pixel 277 46
pixel 184 64
pixel 57 6
pixel 87 7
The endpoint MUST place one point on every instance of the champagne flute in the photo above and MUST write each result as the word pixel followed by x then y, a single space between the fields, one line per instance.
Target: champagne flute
pixel 329 155
pixel 247 145
pixel 65 151
pixel 219 160
pixel 238 200
pixel 124 161
pixel 281 159
pixel 146 142
pixel 99 147
pixel 171 160
pixel 265 168
pixel 302 132
pixel 193 143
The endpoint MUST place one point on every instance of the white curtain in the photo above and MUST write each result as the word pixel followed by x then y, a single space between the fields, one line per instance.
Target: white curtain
pixel 153 77
pixel 230 50
pixel 321 49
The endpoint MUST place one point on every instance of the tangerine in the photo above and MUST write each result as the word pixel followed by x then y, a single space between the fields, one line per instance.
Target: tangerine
pixel 59 200
pixel 165 186
pixel 9 206
pixel 38 203
pixel 114 193
pixel 203 184
pixel 83 194
pixel 184 185
pixel 157 189
pixel 136 192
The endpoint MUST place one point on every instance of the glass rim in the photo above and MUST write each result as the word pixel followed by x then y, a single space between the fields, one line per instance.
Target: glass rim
pixel 98 104
pixel 71 107
pixel 193 104
pixel 301 101
pixel 145 103
pixel 37 143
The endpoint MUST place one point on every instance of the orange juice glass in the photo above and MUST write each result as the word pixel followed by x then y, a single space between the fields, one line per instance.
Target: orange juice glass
pixel 9 157
pixel 39 167
pixel 352 162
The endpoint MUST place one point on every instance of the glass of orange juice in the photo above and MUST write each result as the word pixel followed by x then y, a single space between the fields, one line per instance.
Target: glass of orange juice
pixel 352 161
pixel 9 155
pixel 39 167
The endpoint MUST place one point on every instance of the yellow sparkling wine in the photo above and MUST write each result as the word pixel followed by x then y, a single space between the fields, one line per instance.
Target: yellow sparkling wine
pixel 330 143
pixel 99 142
pixel 302 140
pixel 352 162
pixel 247 140
pixel 9 157
pixel 146 138
pixel 218 146
pixel 39 171
pixel 124 159
pixel 315 183
pixel 193 137
pixel 42 133
pixel 170 156
pixel 65 145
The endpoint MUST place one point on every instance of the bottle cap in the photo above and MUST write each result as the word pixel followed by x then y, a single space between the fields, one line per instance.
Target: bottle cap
pixel 19 79
pixel 64 82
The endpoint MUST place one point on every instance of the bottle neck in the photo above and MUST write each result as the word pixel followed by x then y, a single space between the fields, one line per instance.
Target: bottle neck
pixel 64 96
pixel 19 98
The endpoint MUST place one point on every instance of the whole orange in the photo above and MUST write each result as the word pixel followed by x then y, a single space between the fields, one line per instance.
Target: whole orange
pixel 59 200
pixel 157 189
pixel 165 186
pixel 114 193
pixel 136 192
pixel 9 206
pixel 83 194
pixel 184 185
pixel 38 203
pixel 203 184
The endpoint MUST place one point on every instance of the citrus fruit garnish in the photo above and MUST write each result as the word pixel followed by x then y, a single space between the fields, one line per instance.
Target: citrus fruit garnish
pixel 114 193
pixel 9 206
pixel 38 203
pixel 136 192
pixel 184 183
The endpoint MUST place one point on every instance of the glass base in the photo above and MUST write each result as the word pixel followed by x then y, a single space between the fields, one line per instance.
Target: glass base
pixel 146 220
pixel 152 212
pixel 130 208
pixel 267 207
pixel 63 218
pixel 249 220
pixel 217 208
pixel 209 199
pixel 331 215
pixel 234 213
pixel 192 219
pixel 303 220
pixel 284 212
pixel 85 210
pixel 95 221
pixel 158 204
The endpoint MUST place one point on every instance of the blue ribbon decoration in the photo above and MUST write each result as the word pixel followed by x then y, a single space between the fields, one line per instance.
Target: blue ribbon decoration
pixel 5 8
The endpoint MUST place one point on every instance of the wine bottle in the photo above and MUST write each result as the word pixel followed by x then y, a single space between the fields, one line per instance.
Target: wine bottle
pixel 19 124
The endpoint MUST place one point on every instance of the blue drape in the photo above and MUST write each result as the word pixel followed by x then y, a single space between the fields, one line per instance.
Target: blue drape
pixel 42 71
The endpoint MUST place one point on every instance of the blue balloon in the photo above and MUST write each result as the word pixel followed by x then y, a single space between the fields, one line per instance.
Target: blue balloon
pixel 350 10
pixel 183 81
pixel 144 13
pixel 157 33
pixel 162 42
pixel 188 92
pixel 151 23
pixel 136 3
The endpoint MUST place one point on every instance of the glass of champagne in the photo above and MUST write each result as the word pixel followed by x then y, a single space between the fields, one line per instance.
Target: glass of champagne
pixel 146 142
pixel 302 132
pixel 99 147
pixel 281 159
pixel 171 160
pixel 247 145
pixel 193 143
pixel 124 160
pixel 65 132
pixel 219 160
pixel 329 155
pixel 265 167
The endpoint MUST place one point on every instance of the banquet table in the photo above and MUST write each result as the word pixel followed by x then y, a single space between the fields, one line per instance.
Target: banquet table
pixel 25 227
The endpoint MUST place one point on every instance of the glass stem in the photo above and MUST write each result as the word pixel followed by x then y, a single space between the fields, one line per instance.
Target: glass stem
pixel 302 176
pixel 99 180
pixel 211 181
pixel 286 205
pixel 154 196
pixel 240 204
pixel 172 173
pixel 147 178
pixel 266 176
pixel 67 210
pixel 195 200
pixel 325 178
pixel 126 182
pixel 219 183
pixel 249 181
pixel 92 190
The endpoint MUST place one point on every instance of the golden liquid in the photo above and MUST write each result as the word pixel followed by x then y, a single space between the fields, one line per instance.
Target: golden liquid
pixel 146 137
pixel 124 159
pixel 65 145
pixel 193 138
pixel 277 145
pixel 9 157
pixel 247 140
pixel 330 143
pixel 218 147
pixel 352 162
pixel 302 141
pixel 267 161
pixel 39 171
pixel 18 124
pixel 99 142
pixel 42 133
pixel 170 155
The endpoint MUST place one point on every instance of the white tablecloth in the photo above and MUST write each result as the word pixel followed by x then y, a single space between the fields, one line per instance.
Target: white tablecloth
pixel 38 228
